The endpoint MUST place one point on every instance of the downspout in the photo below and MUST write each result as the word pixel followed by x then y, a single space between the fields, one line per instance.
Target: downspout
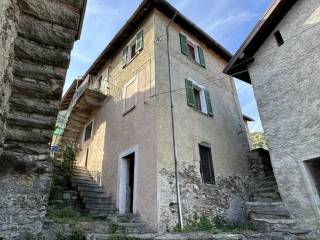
pixel 176 165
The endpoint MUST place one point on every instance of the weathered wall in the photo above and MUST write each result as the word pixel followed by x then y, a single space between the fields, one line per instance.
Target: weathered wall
pixel 286 85
pixel 224 132
pixel 7 34
pixel 115 133
pixel 39 54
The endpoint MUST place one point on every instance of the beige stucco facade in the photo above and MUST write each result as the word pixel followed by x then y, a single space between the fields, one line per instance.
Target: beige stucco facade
pixel 147 127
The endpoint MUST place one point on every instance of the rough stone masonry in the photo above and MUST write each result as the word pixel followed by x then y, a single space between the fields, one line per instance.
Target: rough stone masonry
pixel 36 38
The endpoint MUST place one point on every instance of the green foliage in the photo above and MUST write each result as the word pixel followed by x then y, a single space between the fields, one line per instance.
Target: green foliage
pixel 203 224
pixel 67 215
pixel 258 140
pixel 62 172
pixel 114 228
pixel 75 235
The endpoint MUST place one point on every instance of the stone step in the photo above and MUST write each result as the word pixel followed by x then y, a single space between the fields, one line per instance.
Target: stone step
pixel 99 213
pixel 267 183
pixel 85 182
pixel 267 197
pixel 93 194
pixel 130 228
pixel 129 218
pixel 266 189
pixel 83 177
pixel 121 236
pixel 273 225
pixel 267 210
pixel 94 200
pixel 103 206
pixel 90 188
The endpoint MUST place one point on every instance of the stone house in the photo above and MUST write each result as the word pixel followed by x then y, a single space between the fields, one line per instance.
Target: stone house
pixel 36 39
pixel 280 59
pixel 135 137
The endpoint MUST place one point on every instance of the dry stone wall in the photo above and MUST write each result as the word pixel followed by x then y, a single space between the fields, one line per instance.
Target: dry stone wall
pixel 36 39
pixel 222 199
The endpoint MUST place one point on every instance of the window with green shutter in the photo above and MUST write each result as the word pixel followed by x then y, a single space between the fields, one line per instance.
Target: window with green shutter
pixel 198 97
pixel 139 40
pixel 189 92
pixel 201 57
pixel 183 44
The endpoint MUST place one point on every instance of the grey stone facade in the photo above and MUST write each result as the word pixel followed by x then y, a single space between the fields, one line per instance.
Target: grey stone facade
pixel 286 85
pixel 36 41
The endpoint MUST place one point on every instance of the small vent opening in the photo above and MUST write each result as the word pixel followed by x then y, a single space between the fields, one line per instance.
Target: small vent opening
pixel 279 38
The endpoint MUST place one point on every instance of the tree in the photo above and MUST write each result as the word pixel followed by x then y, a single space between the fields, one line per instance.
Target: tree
pixel 258 140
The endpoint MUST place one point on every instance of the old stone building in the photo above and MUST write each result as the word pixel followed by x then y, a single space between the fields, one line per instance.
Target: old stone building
pixel 36 38
pixel 281 60
pixel 120 115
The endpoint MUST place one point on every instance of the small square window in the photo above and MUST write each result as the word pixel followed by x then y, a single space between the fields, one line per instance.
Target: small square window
pixel 279 38
pixel 88 132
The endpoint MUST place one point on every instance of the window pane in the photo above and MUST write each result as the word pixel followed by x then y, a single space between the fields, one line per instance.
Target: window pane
pixel 133 50
pixel 191 52
pixel 88 131
pixel 197 99
pixel 130 97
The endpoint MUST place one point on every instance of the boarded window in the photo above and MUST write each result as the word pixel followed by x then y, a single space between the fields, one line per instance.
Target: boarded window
pixel 88 132
pixel 130 95
pixel 206 166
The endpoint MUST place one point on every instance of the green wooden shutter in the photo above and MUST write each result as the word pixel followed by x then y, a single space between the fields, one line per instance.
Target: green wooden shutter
pixel 201 57
pixel 124 56
pixel 190 94
pixel 183 44
pixel 139 40
pixel 208 101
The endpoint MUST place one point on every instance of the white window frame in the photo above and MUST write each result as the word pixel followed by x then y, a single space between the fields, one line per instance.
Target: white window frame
pixel 194 45
pixel 201 89
pixel 124 94
pixel 84 131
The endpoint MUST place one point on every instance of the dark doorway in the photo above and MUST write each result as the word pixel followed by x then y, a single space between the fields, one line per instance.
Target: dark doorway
pixel 87 156
pixel 130 162
pixel 313 167
pixel 206 166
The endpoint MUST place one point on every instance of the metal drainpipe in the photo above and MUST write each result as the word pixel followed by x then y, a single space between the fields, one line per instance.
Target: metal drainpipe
pixel 173 129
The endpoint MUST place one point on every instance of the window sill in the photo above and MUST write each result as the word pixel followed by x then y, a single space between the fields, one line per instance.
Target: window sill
pixel 134 57
pixel 128 111
pixel 195 62
pixel 203 113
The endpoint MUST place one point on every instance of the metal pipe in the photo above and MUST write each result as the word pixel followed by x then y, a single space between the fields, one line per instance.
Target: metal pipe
pixel 176 165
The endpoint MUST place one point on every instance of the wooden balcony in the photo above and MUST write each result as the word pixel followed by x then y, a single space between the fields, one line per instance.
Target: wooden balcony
pixel 89 96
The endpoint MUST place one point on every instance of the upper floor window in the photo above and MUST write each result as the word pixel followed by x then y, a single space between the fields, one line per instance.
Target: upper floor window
pixel 130 97
pixel 198 97
pixel 133 48
pixel 88 132
pixel 193 51
pixel 279 38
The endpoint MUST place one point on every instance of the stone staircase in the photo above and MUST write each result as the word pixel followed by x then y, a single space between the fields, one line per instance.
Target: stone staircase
pixel 99 204
pixel 266 209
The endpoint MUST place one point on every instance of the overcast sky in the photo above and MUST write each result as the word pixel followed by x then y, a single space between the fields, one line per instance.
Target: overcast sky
pixel 227 21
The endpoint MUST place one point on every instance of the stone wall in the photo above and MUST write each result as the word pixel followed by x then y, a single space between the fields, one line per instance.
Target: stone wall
pixel 37 38
pixel 286 84
pixel 222 199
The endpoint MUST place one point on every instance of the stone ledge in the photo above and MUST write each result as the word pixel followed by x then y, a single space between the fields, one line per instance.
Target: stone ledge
pixel 51 12
pixel 37 53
